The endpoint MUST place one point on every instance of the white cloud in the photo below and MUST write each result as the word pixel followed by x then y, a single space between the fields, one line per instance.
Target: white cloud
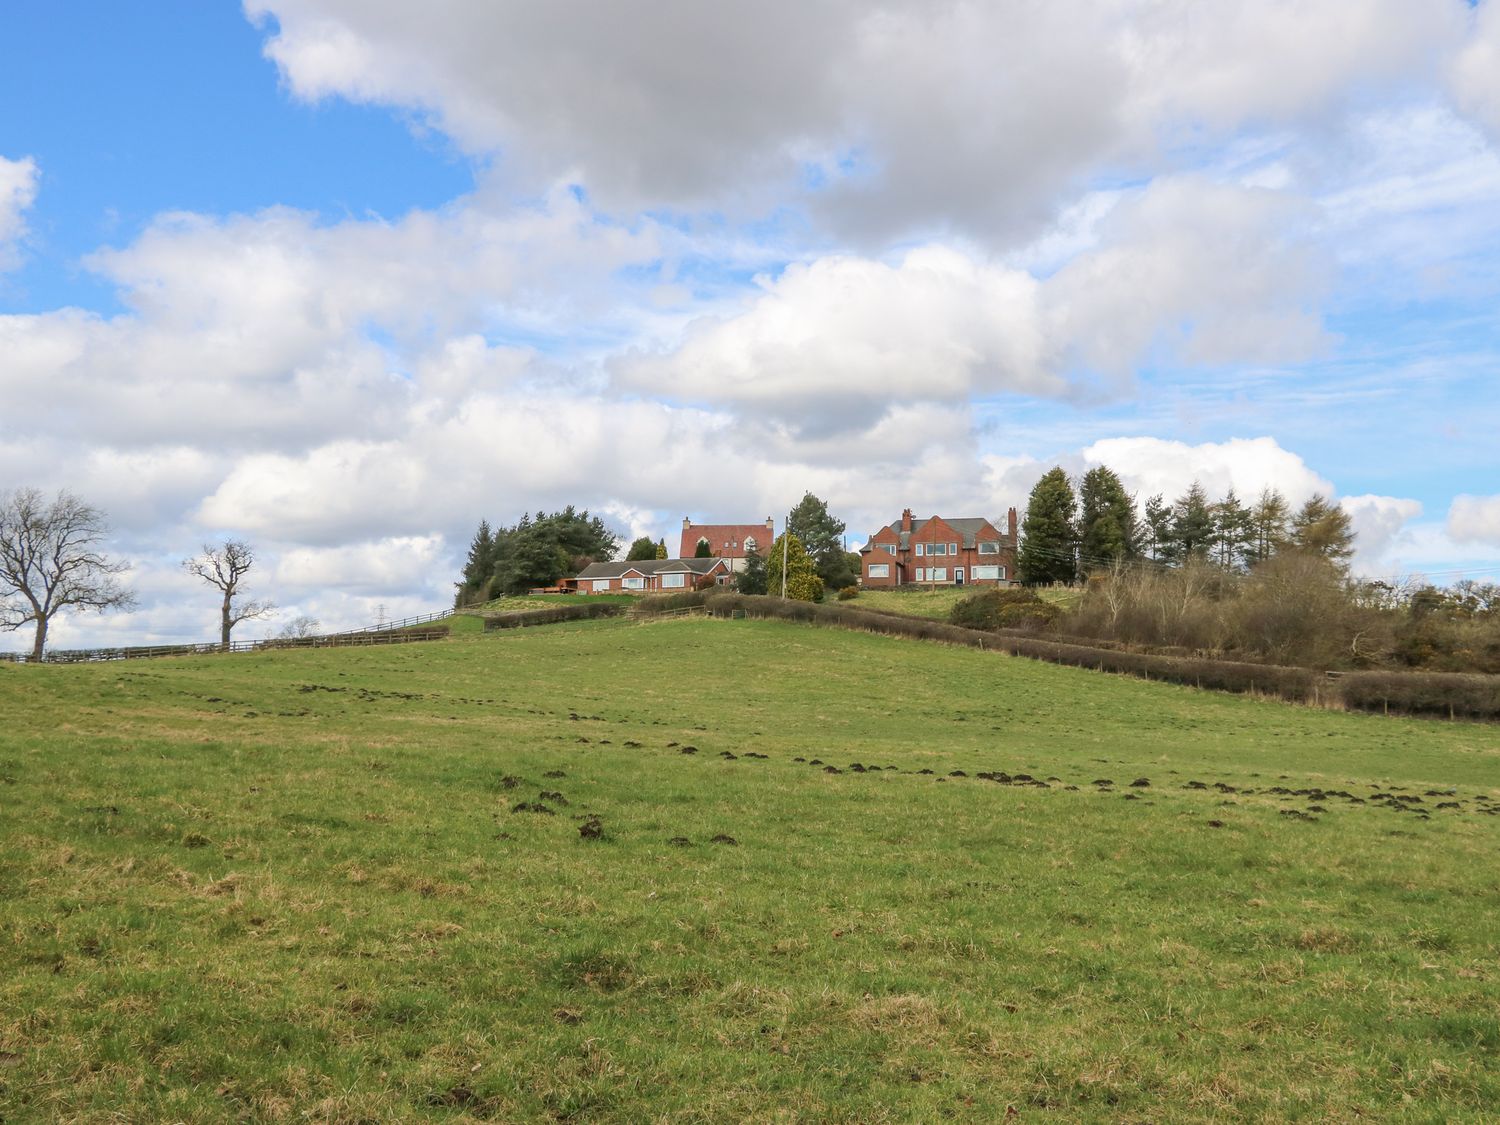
pixel 1475 519
pixel 273 331
pixel 1183 271
pixel 966 113
pixel 1474 75
pixel 1380 526
pixel 838 339
pixel 383 566
pixel 18 185
pixel 1149 466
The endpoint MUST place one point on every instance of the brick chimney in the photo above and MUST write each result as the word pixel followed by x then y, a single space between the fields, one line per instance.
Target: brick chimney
pixel 686 523
pixel 1010 521
pixel 906 521
pixel 771 527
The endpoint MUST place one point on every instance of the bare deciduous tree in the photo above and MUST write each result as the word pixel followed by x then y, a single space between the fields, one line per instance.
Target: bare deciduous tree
pixel 49 562
pixel 224 567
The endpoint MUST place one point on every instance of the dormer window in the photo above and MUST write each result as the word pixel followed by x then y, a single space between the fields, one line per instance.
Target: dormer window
pixel 750 545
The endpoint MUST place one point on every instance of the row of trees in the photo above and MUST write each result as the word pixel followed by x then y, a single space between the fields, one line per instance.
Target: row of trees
pixel 51 562
pixel 534 551
pixel 1068 535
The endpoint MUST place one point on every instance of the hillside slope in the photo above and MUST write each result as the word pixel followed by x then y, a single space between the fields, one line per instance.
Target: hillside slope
pixel 317 883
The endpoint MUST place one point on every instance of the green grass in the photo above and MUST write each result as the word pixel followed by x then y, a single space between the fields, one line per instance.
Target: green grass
pixel 520 602
pixel 290 886
pixel 938 601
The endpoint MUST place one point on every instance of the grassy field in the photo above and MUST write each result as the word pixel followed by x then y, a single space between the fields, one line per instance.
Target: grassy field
pixel 938 601
pixel 318 885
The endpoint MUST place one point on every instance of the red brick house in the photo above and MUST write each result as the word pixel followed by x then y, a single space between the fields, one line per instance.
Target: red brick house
pixel 940 551
pixel 728 541
pixel 648 576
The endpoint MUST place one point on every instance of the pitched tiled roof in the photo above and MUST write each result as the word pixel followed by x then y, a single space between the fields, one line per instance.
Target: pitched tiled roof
pixel 620 567
pixel 967 527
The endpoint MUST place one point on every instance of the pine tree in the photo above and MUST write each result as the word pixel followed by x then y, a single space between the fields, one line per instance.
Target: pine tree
pixel 1322 528
pixel 1157 526
pixel 539 550
pixel 1107 524
pixel 479 567
pixel 1232 531
pixel 1269 520
pixel 1192 525
pixel 1048 533
pixel 823 537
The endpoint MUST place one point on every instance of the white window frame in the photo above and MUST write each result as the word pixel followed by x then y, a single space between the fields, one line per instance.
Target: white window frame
pixel 601 584
pixel 750 546
pixel 989 546
pixel 938 574
pixel 953 548
pixel 880 570
pixel 632 583
pixel 673 581
pixel 919 549
pixel 985 573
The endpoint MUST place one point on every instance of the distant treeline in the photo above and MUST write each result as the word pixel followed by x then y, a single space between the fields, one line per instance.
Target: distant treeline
pixel 1070 534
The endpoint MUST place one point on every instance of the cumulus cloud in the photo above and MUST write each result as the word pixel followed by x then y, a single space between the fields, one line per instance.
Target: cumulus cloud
pixel 390 565
pixel 274 331
pixel 1380 526
pixel 897 113
pixel 1475 519
pixel 834 341
pixel 1183 271
pixel 1152 465
pixel 1474 74
pixel 18 184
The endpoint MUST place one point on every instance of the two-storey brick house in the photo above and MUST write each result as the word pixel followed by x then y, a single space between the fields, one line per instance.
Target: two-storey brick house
pixel 728 541
pixel 940 551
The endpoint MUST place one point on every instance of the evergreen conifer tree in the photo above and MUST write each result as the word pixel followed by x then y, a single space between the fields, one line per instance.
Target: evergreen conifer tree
pixel 1192 525
pixel 1106 523
pixel 1048 533
pixel 1232 531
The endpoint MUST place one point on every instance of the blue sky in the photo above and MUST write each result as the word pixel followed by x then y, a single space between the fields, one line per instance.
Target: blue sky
pixel 344 277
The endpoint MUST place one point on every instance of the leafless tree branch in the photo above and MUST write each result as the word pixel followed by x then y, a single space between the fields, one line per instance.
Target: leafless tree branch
pixel 50 562
pixel 224 567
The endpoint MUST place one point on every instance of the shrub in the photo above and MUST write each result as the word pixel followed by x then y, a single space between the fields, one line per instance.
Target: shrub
pixel 999 608
pixel 848 593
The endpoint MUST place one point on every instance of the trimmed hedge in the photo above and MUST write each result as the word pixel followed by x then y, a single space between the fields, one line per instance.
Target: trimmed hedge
pixel 554 615
pixel 1413 693
pixel 1453 695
